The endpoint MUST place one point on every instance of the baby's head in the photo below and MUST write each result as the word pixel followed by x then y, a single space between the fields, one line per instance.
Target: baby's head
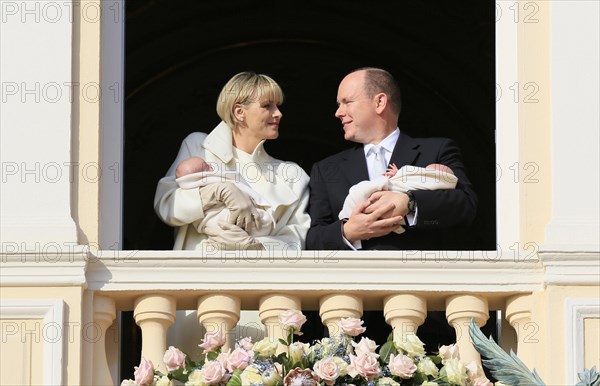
pixel 191 165
pixel 440 167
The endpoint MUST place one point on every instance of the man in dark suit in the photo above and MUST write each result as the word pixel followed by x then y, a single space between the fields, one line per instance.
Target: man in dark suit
pixel 369 107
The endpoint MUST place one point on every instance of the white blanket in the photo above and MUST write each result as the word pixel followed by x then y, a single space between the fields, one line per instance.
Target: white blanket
pixel 407 178
pixel 214 215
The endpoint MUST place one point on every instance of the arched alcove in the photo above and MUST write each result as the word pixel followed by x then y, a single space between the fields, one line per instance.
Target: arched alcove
pixel 179 54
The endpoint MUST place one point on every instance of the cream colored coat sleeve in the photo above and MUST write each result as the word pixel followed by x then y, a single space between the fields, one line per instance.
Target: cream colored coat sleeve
pixel 291 227
pixel 174 205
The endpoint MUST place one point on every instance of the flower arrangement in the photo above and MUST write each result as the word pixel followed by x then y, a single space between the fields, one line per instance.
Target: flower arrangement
pixel 338 360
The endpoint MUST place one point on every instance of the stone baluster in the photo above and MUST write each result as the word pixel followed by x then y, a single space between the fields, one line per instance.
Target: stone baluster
pixel 405 313
pixel 334 307
pixel 219 314
pixel 460 309
pixel 154 314
pixel 269 308
pixel 518 314
pixel 104 314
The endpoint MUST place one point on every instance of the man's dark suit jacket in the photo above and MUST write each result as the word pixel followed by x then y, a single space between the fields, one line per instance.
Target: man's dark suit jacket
pixel 332 177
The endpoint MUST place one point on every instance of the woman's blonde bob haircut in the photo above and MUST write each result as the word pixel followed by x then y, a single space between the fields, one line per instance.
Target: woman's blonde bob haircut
pixel 245 88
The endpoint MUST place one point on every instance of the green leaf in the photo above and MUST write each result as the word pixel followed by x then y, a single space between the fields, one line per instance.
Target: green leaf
pixel 283 342
pixel 435 359
pixel 589 377
pixel 211 356
pixel 236 379
pixel 508 369
pixel 390 337
pixel 386 350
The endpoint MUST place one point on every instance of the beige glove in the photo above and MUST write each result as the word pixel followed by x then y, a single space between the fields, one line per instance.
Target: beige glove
pixel 242 211
pixel 230 237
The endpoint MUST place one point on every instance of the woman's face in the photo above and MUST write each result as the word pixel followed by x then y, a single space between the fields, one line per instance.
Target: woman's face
pixel 261 120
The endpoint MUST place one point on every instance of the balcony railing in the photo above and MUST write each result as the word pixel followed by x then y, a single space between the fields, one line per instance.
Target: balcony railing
pixel 405 285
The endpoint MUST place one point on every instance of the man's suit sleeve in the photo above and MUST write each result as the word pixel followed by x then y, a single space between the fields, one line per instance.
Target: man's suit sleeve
pixel 447 208
pixel 325 228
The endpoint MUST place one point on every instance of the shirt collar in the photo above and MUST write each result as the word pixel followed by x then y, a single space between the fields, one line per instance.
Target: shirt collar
pixel 388 143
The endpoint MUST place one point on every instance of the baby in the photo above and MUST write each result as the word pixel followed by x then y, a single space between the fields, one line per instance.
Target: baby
pixel 195 172
pixel 192 165
pixel 431 177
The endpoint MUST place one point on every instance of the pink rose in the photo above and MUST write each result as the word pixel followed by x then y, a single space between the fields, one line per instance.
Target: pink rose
pixel 449 352
pixel 144 373
pixel 402 366
pixel 213 372
pixel 351 326
pixel 327 369
pixel 212 341
pixel 245 343
pixel 481 382
pixel 298 376
pixel 476 376
pixel 364 365
pixel 239 359
pixel 222 357
pixel 365 346
pixel 292 319
pixel 174 359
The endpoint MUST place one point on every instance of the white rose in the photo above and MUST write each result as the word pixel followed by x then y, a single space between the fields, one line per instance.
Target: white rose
pixel 250 376
pixel 164 381
pixel 427 367
pixel 270 376
pixel 455 371
pixel 195 379
pixel 411 345
pixel 342 365
pixel 298 350
pixel 128 382
pixel 385 381
pixel 265 348
pixel 428 383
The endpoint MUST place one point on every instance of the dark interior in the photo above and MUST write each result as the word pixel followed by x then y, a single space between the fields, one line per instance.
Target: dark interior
pixel 179 53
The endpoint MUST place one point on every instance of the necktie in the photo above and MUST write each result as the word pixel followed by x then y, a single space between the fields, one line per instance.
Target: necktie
pixel 379 165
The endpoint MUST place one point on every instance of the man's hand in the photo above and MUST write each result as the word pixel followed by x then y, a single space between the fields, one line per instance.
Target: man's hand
pixel 363 226
pixel 397 202
pixel 242 211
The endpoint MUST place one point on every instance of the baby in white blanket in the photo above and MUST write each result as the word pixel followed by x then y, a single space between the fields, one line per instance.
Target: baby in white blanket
pixel 431 177
pixel 194 172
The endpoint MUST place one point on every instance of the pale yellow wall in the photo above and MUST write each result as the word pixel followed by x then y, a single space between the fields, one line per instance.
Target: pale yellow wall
pixel 549 317
pixel 592 342
pixel 86 126
pixel 21 354
pixel 73 331
pixel 534 163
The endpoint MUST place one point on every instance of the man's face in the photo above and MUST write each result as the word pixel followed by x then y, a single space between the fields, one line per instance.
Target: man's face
pixel 355 109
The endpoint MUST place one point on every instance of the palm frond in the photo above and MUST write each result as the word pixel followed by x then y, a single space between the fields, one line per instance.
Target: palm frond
pixel 508 369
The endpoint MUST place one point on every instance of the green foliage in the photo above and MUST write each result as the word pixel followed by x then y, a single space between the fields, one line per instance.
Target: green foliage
pixel 235 379
pixel 589 377
pixel 386 350
pixel 508 369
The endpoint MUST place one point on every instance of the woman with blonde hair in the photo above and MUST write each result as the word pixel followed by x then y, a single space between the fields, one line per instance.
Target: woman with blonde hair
pixel 249 108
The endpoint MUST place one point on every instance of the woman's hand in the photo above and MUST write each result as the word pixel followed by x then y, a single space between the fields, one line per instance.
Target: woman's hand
pixel 231 237
pixel 242 211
